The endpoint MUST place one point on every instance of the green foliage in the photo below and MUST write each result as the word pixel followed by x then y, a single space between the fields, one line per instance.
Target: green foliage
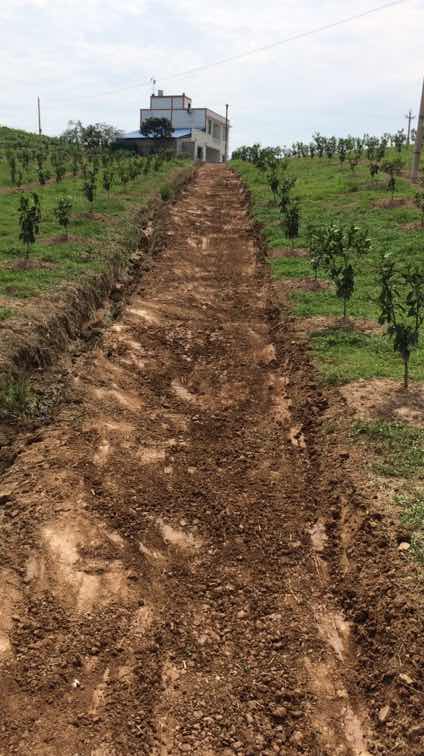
pixel 107 180
pixel 29 220
pixel 401 302
pixel 63 211
pixel 93 138
pixel 157 128
pixel 285 186
pixel 165 192
pixel 374 168
pixel 90 186
pixel 16 399
pixel 292 219
pixel 419 202
pixel 341 248
pixel 392 168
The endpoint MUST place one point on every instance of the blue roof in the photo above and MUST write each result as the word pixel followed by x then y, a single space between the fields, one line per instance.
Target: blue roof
pixel 137 135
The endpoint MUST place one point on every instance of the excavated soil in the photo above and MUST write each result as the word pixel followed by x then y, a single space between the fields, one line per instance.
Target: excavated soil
pixel 176 548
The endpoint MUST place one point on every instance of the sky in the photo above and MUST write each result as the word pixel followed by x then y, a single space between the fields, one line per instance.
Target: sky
pixel 93 61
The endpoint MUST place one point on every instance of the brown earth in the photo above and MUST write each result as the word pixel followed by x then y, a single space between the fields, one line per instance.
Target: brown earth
pixel 179 544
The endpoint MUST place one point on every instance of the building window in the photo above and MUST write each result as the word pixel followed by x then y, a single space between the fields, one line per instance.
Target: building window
pixel 209 127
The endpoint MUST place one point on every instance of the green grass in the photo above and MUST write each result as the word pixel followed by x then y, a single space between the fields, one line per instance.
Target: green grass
pixel 345 354
pixel 329 192
pixel 6 312
pixel 398 448
pixel 16 399
pixel 412 517
pixel 58 261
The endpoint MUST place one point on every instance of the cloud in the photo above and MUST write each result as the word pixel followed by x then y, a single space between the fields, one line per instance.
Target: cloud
pixel 354 78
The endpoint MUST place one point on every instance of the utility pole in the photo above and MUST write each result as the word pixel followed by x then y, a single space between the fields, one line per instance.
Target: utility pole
pixel 226 133
pixel 409 118
pixel 39 116
pixel 418 140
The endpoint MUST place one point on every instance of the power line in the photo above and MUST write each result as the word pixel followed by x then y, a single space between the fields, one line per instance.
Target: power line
pixel 257 50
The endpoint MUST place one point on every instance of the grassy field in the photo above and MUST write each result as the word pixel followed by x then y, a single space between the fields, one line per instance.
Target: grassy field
pixel 393 449
pixel 329 192
pixel 54 260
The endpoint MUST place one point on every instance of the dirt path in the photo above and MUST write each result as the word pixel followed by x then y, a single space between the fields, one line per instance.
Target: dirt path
pixel 162 585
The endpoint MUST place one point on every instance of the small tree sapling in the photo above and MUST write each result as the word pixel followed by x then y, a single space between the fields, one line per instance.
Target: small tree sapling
pixel 108 179
pixel 343 245
pixel 292 219
pixel 63 211
pixel 401 302
pixel 90 187
pixel 29 221
pixel 419 202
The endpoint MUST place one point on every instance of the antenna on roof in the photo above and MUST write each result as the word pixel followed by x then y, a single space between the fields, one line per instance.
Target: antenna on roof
pixel 153 80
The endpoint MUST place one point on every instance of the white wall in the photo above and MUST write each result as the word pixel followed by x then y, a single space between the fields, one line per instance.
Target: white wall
pixel 181 119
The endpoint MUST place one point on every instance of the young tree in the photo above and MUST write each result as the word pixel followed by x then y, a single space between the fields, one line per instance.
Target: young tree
pixel 353 162
pixel 399 140
pixel 286 185
pixel 43 176
pixel 318 253
pixel 419 202
pixel 108 179
pixel 401 303
pixel 29 220
pixel 274 183
pixel 63 211
pixel 124 176
pixel 89 187
pixel 292 219
pixel 60 171
pixel 392 168
pixel 342 247
pixel 12 162
pixel 374 169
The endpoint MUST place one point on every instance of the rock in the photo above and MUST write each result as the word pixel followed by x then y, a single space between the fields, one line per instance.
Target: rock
pixel 404 546
pixel 383 713
pixel 279 712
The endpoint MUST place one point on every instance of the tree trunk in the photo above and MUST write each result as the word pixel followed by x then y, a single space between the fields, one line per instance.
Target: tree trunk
pixel 344 309
pixel 406 373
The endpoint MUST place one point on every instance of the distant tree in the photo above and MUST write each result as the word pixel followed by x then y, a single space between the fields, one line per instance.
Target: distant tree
pixel 399 140
pixel 157 128
pixel 401 303
pixel 93 138
pixel 29 220
pixel 63 211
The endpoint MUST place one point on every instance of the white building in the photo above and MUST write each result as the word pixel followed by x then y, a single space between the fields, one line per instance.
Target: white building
pixel 197 132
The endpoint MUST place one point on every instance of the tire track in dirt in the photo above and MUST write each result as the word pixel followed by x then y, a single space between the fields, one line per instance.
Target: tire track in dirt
pixel 163 588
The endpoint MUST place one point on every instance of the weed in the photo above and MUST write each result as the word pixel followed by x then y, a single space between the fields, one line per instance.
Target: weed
pixel 17 399
pixel 413 518
pixel 399 448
